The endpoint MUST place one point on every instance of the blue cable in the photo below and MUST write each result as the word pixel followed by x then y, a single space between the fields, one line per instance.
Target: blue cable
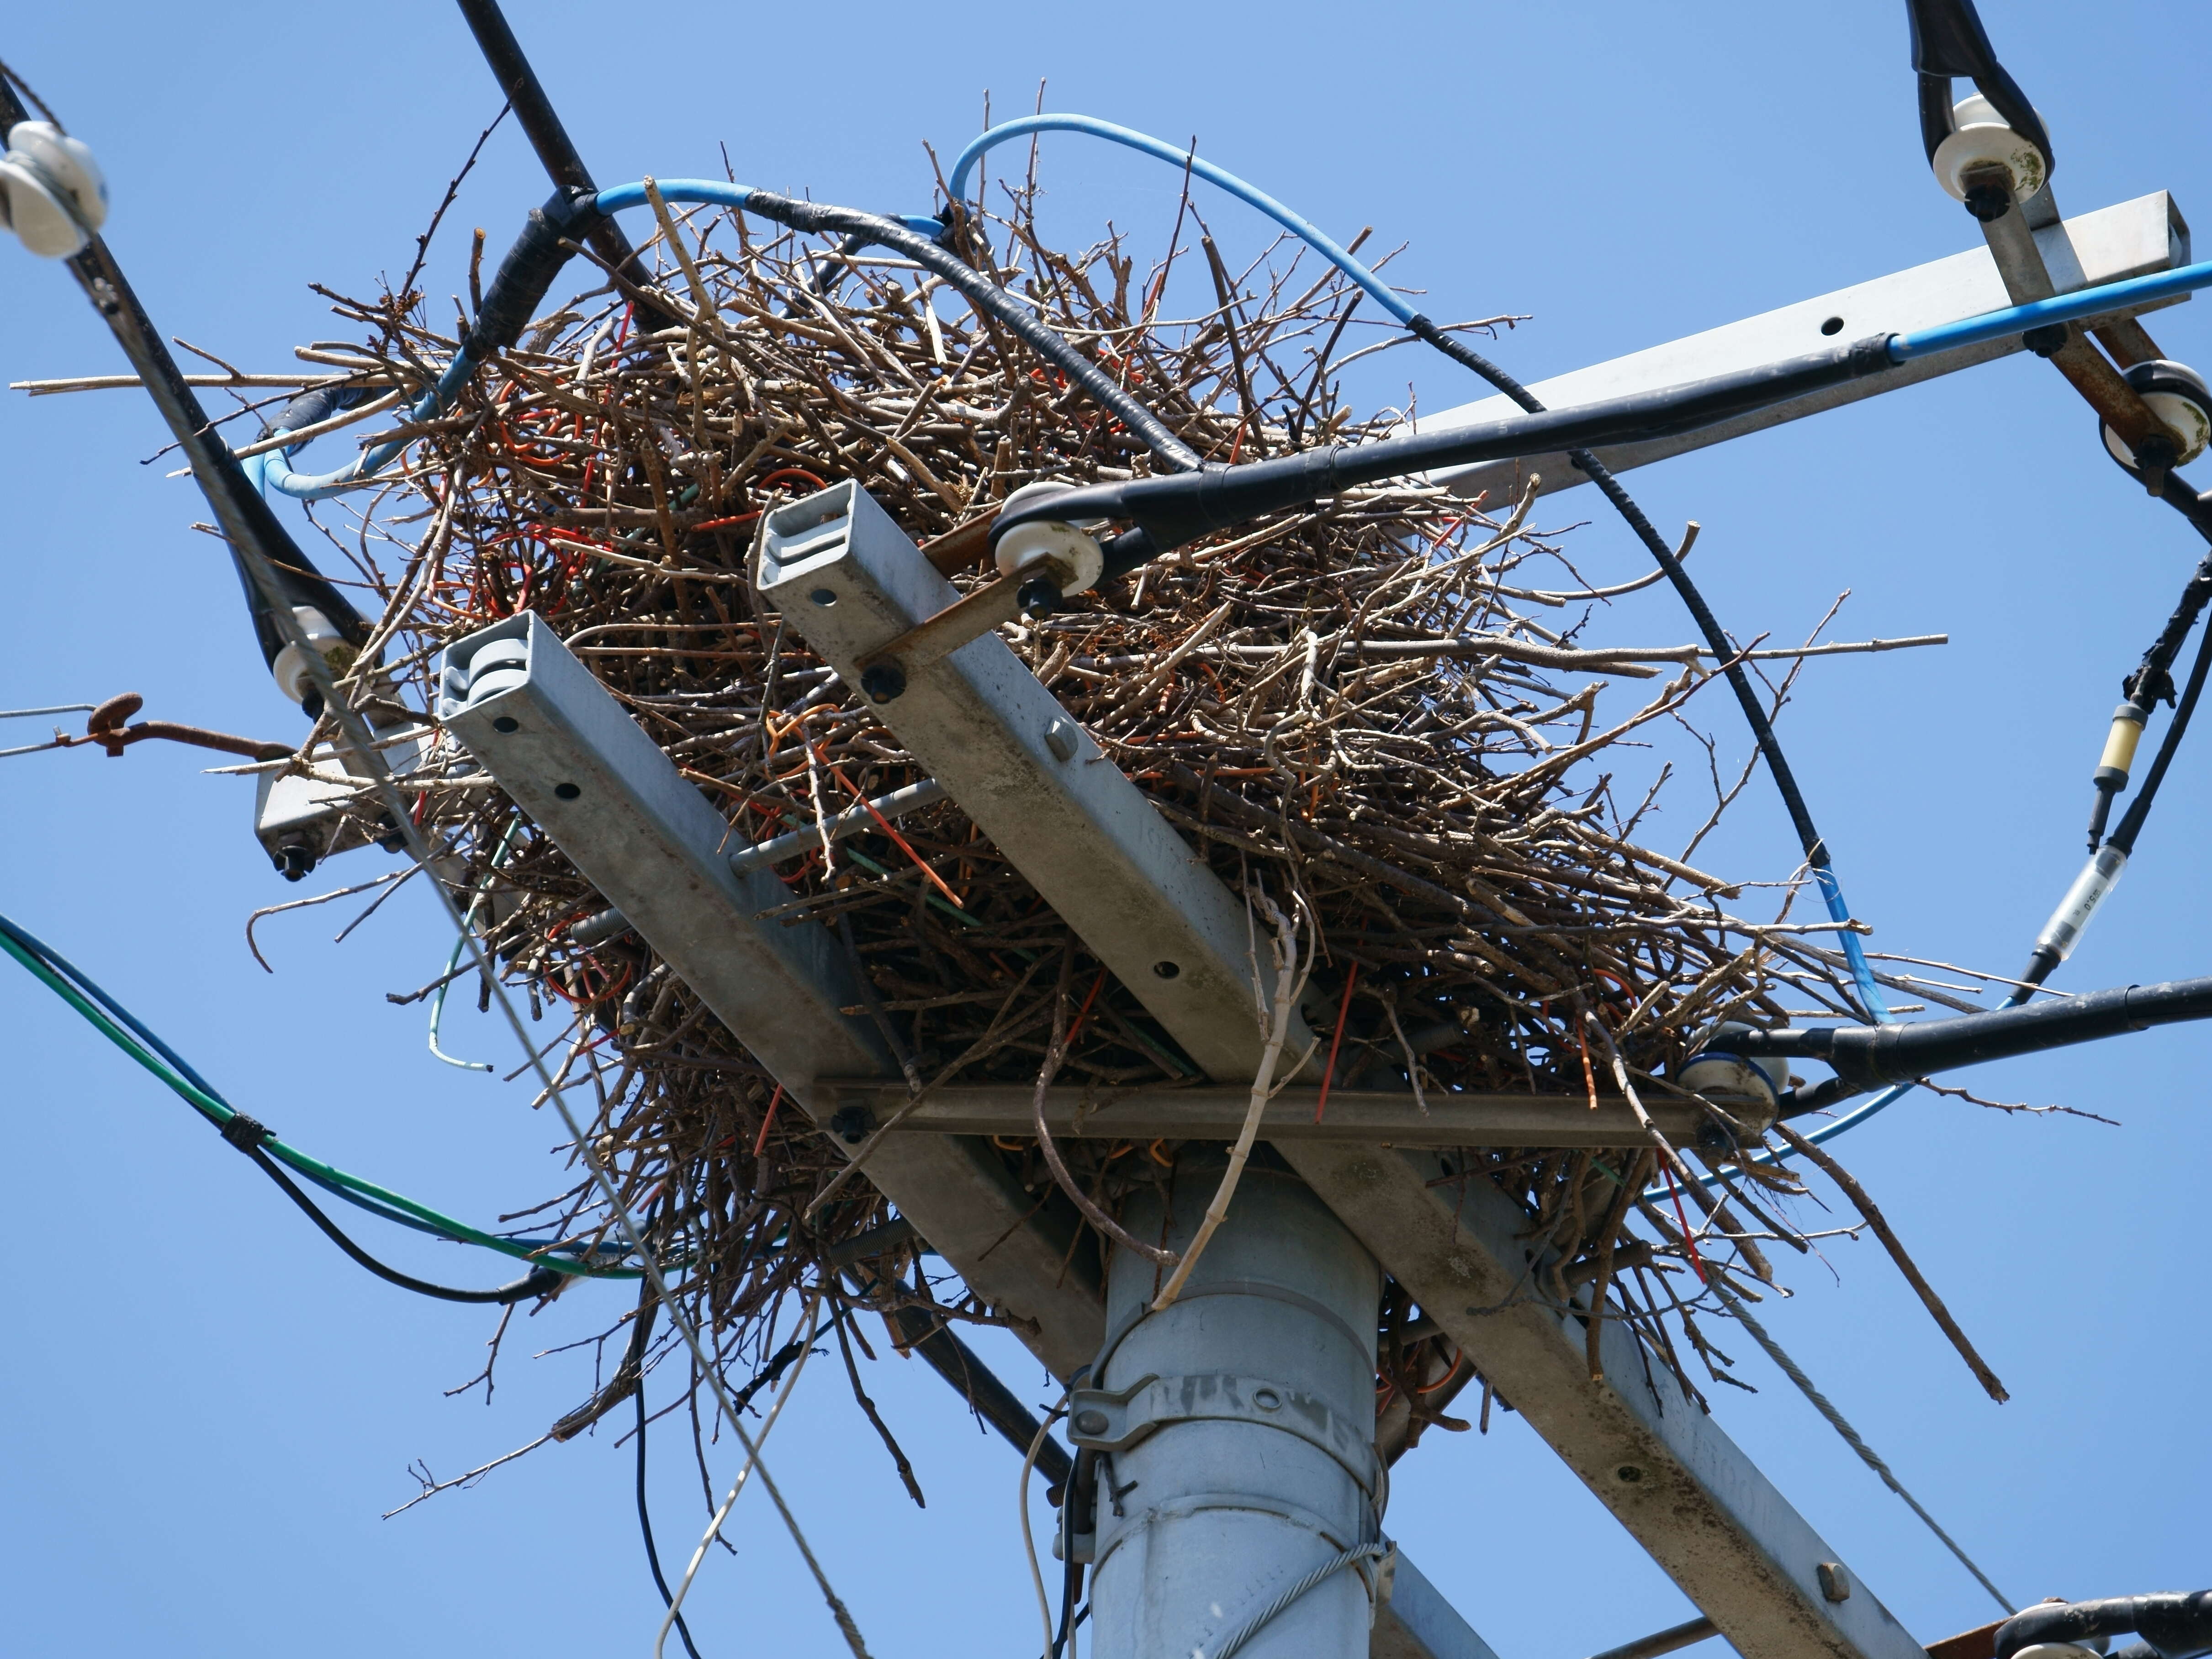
pixel 1304 229
pixel 131 1022
pixel 272 470
pixel 2134 291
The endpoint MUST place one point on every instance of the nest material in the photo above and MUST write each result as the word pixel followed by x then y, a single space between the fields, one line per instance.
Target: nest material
pixel 1353 707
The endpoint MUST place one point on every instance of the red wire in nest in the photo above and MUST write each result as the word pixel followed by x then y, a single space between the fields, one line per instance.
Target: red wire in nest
pixel 1687 1239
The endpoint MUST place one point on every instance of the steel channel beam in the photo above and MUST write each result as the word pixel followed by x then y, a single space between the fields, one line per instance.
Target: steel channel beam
pixel 569 755
pixel 978 720
pixel 850 580
pixel 1416 1622
pixel 2132 238
pixel 1666 1471
pixel 1362 1115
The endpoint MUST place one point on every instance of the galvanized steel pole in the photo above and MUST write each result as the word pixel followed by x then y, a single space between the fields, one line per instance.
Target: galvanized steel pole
pixel 1237 1429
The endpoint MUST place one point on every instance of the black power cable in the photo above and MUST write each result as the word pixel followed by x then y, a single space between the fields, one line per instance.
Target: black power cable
pixel 2150 684
pixel 245 519
pixel 243 1133
pixel 1869 1056
pixel 549 136
pixel 633 1367
pixel 1716 637
pixel 526 275
pixel 1947 41
pixel 2131 822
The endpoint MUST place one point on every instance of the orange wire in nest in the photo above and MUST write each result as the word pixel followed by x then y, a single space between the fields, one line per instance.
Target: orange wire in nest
pixel 584 968
pixel 768 1119
pixel 762 483
pixel 1459 1359
pixel 885 824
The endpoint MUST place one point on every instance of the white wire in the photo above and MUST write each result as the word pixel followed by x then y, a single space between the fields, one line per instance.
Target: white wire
pixel 1028 1539
pixel 715 1525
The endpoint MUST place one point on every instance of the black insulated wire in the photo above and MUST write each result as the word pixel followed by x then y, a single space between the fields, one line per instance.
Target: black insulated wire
pixel 1175 510
pixel 2152 682
pixel 1948 40
pixel 633 1368
pixel 539 1281
pixel 986 294
pixel 2132 821
pixel 1716 638
pixel 526 275
pixel 2173 1626
pixel 556 152
pixel 245 519
pixel 1871 1056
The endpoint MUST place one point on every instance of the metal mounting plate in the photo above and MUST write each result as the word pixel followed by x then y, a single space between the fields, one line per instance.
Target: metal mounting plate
pixel 1109 1420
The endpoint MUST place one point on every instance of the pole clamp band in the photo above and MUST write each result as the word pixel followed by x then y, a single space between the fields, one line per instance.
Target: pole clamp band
pixel 1112 1420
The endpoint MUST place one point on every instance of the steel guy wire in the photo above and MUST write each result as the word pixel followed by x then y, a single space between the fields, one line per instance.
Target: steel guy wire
pixel 1842 1426
pixel 361 741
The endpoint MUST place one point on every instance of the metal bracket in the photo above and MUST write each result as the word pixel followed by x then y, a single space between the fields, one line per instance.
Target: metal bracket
pixel 1107 1420
pixel 301 818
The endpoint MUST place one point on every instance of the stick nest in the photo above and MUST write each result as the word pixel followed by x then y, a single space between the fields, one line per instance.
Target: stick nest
pixel 1354 709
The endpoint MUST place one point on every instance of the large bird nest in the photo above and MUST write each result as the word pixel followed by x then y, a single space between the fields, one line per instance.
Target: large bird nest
pixel 1380 711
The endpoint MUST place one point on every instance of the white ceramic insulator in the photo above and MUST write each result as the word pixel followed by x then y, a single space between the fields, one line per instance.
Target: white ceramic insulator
pixel 500 667
pixel 1979 138
pixel 36 214
pixel 2056 1650
pixel 1075 556
pixel 2191 424
pixel 1726 1074
pixel 290 667
pixel 67 164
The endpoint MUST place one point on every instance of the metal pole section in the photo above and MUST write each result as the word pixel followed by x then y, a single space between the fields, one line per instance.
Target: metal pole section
pixel 1234 1431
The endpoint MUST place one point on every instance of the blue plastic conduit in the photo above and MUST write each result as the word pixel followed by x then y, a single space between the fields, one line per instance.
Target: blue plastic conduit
pixel 1304 230
pixel 2041 313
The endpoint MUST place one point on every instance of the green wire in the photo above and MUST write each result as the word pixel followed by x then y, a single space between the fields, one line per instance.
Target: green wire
pixel 219 1114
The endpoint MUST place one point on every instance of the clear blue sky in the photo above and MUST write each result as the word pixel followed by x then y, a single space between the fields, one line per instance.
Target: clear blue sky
pixel 206 1409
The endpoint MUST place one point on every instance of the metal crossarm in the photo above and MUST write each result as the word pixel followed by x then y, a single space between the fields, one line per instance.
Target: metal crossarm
pixel 2132 238
pixel 848 579
pixel 590 778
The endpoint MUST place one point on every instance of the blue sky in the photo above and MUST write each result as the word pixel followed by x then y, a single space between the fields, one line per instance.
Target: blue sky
pixel 206 1410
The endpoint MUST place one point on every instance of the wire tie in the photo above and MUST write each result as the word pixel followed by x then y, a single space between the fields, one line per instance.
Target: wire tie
pixel 246 1133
